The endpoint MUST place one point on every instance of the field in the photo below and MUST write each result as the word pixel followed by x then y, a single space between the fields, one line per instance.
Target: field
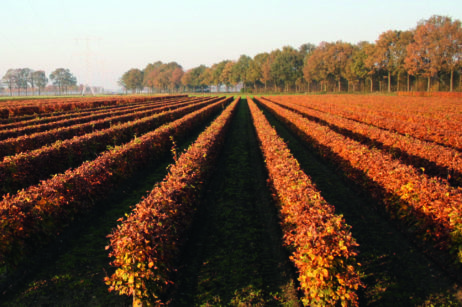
pixel 228 201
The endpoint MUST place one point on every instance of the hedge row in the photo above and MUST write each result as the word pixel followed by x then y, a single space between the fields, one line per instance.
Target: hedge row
pixel 147 243
pixel 323 249
pixel 33 216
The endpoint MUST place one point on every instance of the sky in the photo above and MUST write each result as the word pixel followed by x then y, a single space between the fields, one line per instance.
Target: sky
pixel 99 40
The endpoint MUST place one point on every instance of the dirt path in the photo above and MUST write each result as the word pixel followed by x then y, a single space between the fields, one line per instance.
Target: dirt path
pixel 396 272
pixel 234 253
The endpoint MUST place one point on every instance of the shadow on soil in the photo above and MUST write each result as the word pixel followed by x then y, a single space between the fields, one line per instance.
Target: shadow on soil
pixel 396 272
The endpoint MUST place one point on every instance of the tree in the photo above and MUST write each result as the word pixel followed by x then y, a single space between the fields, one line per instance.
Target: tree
pixel 287 67
pixel 253 73
pixel 39 79
pixel 371 64
pixel 306 50
pixel 239 70
pixel 384 55
pixel 133 79
pixel 186 80
pixel 404 39
pixel 390 52
pixel 194 78
pixel 162 76
pixel 436 47
pixel 338 55
pixel 10 78
pixel 24 78
pixel 266 62
pixel 150 75
pixel 226 74
pixel 176 75
pixel 356 68
pixel 63 79
pixel 315 67
pixel 216 71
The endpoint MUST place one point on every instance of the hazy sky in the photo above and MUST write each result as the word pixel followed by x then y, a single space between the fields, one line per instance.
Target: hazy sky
pixel 99 40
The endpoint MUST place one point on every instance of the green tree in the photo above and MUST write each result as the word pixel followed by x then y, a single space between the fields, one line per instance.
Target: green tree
pixel 216 71
pixel 132 80
pixel 10 78
pixel 194 78
pixel 287 67
pixel 39 79
pixel 25 78
pixel 240 69
pixel 254 72
pixel 357 69
pixel 63 79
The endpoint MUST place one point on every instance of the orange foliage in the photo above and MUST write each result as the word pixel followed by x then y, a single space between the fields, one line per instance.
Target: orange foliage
pixel 33 216
pixel 146 244
pixel 431 207
pixel 323 249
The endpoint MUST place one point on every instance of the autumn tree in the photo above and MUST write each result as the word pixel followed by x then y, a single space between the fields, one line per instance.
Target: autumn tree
pixel 186 80
pixel 175 77
pixel 390 52
pixel 315 67
pixel 436 47
pixel 150 75
pixel 338 55
pixel 226 74
pixel 267 61
pixel 162 76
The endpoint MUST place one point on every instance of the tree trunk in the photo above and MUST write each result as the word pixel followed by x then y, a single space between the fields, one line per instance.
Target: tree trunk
pixel 408 82
pixel 372 85
pixel 339 86
pixel 389 81
pixel 397 82
pixel 428 84
pixel 451 80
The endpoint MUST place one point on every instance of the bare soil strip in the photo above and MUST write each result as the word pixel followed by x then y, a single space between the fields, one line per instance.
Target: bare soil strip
pixel 235 255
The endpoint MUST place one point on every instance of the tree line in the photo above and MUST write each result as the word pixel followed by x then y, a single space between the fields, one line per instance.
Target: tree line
pixel 24 78
pixel 427 57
